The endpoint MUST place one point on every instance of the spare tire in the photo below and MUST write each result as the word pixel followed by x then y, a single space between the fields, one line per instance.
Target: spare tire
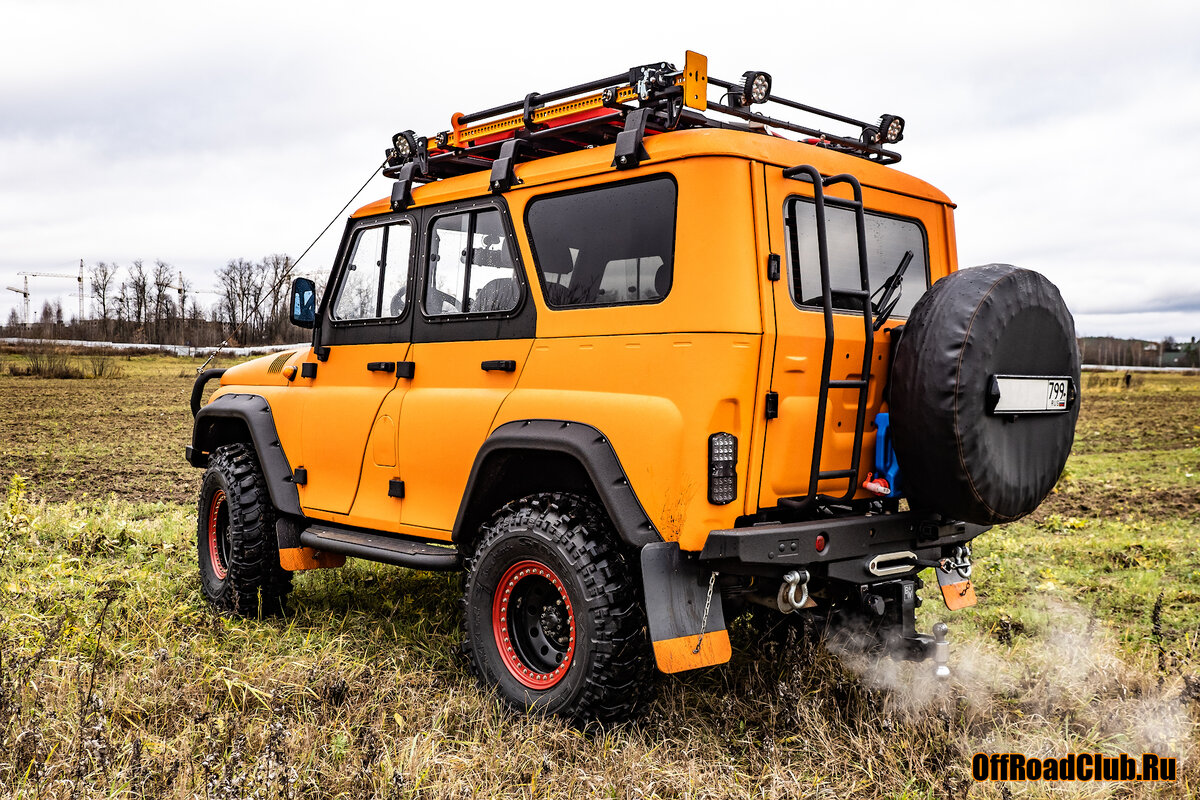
pixel 956 456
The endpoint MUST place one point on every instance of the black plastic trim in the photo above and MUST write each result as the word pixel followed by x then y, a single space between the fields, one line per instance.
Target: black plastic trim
pixel 591 449
pixel 401 551
pixel 255 412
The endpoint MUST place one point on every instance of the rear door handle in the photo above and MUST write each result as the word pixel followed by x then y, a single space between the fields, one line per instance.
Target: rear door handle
pixel 499 366
pixel 381 366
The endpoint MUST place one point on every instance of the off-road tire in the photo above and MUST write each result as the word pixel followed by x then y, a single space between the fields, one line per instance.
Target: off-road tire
pixel 235 536
pixel 564 546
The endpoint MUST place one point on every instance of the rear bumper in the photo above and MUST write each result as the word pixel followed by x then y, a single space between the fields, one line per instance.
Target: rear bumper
pixel 856 548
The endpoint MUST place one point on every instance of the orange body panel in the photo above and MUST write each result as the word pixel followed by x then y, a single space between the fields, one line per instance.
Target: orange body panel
pixel 657 379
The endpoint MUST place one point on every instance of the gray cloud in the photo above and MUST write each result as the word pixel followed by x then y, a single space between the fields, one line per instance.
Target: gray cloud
pixel 152 130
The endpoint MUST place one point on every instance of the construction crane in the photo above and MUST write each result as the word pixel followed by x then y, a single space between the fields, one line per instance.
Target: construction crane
pixel 78 277
pixel 24 292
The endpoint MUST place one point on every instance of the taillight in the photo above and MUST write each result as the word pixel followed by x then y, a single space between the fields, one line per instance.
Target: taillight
pixel 722 468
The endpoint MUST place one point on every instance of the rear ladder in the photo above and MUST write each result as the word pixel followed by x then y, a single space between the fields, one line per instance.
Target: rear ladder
pixel 819 183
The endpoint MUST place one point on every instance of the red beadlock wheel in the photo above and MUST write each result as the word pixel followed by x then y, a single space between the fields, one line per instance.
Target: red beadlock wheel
pixel 534 624
pixel 218 538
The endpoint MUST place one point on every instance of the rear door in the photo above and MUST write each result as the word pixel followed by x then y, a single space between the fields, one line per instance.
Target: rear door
pixel 801 331
pixel 473 330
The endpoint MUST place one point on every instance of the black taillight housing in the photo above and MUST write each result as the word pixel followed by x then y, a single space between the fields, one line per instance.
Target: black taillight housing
pixel 722 468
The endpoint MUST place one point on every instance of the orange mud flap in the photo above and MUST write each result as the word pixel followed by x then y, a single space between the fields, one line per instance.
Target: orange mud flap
pixel 683 606
pixel 293 556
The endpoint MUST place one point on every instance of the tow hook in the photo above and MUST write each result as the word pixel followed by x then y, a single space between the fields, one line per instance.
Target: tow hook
pixel 941 651
pixel 795 580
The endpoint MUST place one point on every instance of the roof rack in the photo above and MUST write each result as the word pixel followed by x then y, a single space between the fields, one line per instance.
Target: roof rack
pixel 621 109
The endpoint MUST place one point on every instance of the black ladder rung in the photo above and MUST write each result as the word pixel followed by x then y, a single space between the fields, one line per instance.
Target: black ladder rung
pixel 834 474
pixel 860 293
pixel 850 384
pixel 842 202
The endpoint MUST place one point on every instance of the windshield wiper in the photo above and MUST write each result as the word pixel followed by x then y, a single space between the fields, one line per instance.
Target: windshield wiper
pixel 889 292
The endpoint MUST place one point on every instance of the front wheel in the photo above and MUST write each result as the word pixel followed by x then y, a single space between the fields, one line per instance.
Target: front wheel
pixel 235 536
pixel 553 620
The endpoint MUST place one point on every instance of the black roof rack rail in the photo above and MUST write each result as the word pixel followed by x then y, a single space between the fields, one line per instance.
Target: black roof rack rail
pixel 621 109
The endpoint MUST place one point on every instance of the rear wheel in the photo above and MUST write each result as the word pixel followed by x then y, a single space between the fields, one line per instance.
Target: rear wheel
pixel 235 536
pixel 553 621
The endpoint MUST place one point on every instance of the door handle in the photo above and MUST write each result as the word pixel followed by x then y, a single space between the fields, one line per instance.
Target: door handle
pixel 499 366
pixel 381 366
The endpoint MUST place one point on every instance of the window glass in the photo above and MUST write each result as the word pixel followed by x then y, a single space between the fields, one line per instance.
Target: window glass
pixel 471 268
pixel 887 240
pixel 606 246
pixel 376 276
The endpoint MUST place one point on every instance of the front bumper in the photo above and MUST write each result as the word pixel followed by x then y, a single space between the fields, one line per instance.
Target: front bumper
pixel 861 549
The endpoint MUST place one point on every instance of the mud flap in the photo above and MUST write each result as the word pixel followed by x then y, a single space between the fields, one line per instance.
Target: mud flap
pixel 957 591
pixel 676 590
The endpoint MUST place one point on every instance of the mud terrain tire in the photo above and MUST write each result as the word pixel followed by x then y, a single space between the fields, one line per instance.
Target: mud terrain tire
pixel 235 536
pixel 955 458
pixel 552 612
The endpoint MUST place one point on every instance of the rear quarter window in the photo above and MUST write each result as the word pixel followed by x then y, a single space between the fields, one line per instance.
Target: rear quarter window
pixel 606 245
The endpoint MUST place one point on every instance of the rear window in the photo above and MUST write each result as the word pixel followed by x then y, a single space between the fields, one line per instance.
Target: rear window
pixel 611 245
pixel 887 240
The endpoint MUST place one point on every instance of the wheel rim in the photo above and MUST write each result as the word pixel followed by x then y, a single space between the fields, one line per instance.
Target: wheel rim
pixel 218 535
pixel 534 624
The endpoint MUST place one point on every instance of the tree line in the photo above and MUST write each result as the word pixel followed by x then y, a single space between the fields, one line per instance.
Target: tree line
pixel 157 304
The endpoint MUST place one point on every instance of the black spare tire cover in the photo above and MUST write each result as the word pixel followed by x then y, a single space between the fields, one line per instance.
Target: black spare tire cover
pixel 955 457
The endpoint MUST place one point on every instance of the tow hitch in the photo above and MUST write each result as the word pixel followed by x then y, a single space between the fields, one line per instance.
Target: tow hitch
pixel 885 621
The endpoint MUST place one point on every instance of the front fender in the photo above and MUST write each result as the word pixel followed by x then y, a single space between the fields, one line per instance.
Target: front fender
pixel 230 418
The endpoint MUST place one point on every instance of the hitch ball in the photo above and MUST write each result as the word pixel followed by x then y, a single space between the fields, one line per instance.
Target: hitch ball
pixel 941 651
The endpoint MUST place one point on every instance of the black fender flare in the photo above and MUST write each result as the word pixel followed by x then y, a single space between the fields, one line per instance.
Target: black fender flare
pixel 253 411
pixel 591 449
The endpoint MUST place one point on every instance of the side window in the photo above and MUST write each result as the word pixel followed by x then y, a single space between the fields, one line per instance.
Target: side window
pixel 612 245
pixel 887 240
pixel 471 267
pixel 375 279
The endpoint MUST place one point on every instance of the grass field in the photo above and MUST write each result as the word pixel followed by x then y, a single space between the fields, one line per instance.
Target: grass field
pixel 116 680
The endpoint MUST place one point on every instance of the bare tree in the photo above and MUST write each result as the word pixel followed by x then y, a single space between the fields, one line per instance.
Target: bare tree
pixel 139 294
pixel 163 306
pixel 277 274
pixel 101 277
pixel 241 292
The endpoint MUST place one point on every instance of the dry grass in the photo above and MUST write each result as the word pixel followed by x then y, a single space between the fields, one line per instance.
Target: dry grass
pixel 116 680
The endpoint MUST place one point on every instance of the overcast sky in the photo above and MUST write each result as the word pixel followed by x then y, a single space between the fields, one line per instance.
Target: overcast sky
pixel 200 132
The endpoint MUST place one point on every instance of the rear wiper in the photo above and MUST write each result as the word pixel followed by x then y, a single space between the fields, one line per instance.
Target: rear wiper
pixel 889 292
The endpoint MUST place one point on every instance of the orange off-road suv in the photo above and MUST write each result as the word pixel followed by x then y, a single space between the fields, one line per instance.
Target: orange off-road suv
pixel 633 355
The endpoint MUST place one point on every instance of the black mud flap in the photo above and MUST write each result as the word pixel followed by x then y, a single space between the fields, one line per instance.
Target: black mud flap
pixel 676 594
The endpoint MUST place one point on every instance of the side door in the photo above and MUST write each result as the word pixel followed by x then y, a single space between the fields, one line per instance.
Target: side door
pixel 365 327
pixel 801 334
pixel 472 332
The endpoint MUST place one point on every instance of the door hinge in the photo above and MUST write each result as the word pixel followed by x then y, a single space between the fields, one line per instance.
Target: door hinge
pixel 772 405
pixel 308 369
pixel 396 488
pixel 773 267
pixel 406 369
pixel 300 476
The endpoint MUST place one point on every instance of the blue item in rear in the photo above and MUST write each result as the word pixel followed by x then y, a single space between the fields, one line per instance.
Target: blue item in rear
pixel 885 456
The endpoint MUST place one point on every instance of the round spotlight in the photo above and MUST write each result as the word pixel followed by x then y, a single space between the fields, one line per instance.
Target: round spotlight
pixel 892 128
pixel 405 144
pixel 756 87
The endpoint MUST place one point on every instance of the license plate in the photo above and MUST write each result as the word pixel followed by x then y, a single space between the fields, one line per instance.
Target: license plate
pixel 1026 394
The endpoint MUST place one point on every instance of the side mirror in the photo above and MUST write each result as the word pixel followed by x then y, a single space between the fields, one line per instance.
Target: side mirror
pixel 304 303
